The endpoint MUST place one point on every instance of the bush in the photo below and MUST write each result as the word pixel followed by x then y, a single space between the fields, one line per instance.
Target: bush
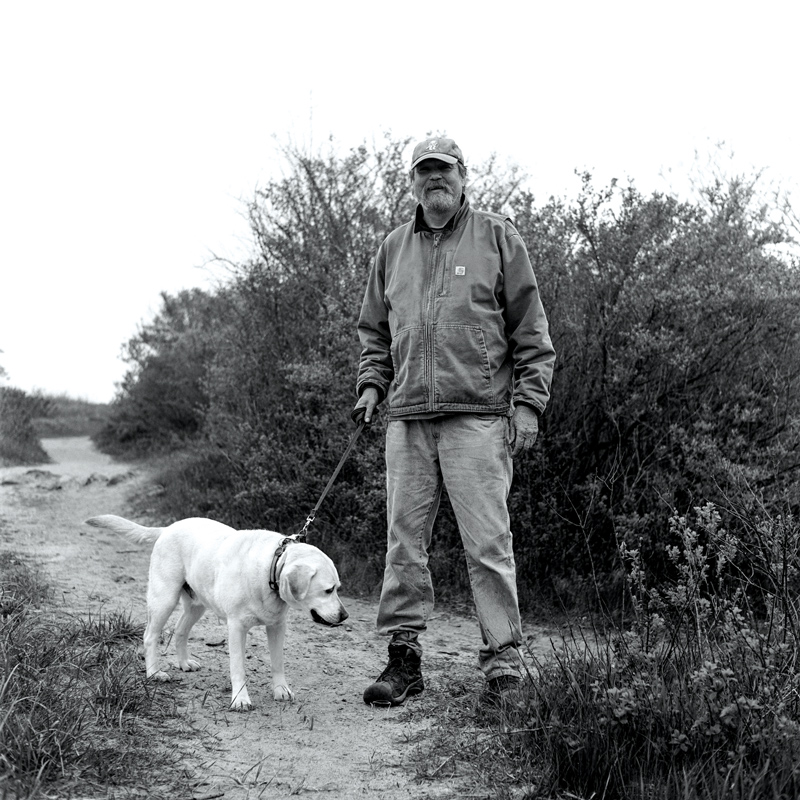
pixel 162 401
pixel 698 697
pixel 19 442
pixel 677 329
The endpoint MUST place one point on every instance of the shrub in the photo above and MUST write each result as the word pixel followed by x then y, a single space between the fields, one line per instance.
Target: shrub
pixel 19 442
pixel 162 401
pixel 699 697
pixel 677 329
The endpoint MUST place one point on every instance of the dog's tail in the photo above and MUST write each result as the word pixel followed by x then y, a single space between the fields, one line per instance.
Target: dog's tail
pixel 136 533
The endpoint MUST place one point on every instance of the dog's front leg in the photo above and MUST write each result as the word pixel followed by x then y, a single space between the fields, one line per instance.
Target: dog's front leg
pixel 276 634
pixel 237 635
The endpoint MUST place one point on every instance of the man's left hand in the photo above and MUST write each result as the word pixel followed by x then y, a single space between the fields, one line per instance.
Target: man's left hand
pixel 524 429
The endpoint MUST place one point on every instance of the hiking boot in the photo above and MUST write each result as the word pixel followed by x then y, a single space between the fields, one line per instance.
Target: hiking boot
pixel 402 678
pixel 502 691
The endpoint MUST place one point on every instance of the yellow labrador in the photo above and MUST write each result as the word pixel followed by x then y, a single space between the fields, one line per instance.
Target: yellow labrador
pixel 245 577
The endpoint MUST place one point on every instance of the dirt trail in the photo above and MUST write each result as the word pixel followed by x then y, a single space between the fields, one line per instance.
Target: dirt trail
pixel 327 742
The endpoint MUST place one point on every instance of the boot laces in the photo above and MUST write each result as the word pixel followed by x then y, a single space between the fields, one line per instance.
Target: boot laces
pixel 399 671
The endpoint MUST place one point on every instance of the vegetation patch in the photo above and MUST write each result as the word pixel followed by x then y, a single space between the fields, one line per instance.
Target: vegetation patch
pixel 68 416
pixel 19 442
pixel 697 696
pixel 75 710
pixel 27 418
pixel 676 324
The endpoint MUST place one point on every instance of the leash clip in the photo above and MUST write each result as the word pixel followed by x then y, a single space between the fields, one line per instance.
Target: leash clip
pixel 304 530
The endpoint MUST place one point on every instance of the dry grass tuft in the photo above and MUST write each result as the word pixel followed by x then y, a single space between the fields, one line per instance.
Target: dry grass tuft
pixel 75 710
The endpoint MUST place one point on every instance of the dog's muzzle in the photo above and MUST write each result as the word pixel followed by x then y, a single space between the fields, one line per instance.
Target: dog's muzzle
pixel 322 621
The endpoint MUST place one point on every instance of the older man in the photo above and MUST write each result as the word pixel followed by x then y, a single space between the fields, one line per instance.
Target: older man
pixel 455 341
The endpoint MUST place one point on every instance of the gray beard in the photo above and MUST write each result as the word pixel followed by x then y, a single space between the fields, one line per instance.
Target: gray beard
pixel 439 202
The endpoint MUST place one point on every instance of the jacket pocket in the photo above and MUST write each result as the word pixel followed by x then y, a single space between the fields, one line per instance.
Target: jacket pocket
pixel 461 370
pixel 446 273
pixel 410 374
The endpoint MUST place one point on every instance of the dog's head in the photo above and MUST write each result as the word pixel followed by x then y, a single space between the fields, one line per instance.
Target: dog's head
pixel 309 581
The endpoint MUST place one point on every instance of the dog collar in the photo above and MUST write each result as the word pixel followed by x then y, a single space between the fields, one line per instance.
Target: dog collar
pixel 273 570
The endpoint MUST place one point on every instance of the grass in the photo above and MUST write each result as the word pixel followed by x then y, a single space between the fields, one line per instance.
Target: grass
pixel 75 710
pixel 698 696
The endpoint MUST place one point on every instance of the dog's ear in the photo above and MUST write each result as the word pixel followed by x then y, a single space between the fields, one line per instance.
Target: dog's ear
pixel 295 581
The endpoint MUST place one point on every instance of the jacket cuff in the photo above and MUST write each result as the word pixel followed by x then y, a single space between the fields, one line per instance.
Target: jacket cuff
pixel 535 409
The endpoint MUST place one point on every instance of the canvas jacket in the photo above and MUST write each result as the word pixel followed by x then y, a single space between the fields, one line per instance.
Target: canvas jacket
pixel 453 321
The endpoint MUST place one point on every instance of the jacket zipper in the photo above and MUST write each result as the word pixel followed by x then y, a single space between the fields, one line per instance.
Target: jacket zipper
pixel 437 238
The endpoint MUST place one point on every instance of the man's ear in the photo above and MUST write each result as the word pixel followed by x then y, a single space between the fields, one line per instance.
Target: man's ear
pixel 295 581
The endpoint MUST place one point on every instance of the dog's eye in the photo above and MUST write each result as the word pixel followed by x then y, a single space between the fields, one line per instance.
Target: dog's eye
pixel 329 591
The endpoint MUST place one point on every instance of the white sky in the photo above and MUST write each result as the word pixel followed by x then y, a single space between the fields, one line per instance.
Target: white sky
pixel 132 133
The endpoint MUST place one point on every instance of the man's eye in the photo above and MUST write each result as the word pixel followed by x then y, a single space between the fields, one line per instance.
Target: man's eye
pixel 426 168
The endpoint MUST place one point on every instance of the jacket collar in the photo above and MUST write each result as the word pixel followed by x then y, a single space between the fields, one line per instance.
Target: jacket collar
pixel 420 226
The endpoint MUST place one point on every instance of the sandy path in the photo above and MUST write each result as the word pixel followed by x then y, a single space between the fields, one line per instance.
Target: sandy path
pixel 325 742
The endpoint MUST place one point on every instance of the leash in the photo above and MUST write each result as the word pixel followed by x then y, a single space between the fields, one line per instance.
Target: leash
pixel 313 514
pixel 273 570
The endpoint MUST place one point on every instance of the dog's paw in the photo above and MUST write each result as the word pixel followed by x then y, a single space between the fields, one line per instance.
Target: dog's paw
pixel 161 676
pixel 240 699
pixel 283 693
pixel 190 665
pixel 241 705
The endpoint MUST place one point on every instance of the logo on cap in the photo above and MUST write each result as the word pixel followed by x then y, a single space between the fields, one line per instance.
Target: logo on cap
pixel 438 147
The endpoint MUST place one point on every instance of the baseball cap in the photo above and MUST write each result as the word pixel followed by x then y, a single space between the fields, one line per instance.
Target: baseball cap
pixel 437 147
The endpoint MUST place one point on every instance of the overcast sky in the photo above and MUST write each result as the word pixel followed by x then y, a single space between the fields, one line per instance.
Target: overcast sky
pixel 133 133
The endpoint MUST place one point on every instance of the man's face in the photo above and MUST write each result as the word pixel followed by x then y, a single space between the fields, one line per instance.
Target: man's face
pixel 437 185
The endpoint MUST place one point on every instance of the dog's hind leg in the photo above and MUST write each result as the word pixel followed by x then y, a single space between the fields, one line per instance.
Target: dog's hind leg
pixel 237 637
pixel 192 611
pixel 276 635
pixel 158 612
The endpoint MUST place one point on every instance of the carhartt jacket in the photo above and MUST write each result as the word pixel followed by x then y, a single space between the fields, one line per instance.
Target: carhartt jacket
pixel 453 322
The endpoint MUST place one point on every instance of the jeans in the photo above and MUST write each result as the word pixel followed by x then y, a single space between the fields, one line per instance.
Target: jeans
pixel 470 455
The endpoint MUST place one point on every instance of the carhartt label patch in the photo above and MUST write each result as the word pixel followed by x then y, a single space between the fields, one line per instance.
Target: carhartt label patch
pixel 461 270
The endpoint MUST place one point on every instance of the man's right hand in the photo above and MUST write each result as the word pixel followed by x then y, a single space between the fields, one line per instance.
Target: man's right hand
pixel 368 401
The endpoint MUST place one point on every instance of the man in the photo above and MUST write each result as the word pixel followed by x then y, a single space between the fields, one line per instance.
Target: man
pixel 455 340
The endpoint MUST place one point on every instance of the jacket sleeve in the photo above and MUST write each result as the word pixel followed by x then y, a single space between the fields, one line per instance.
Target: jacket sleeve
pixel 375 365
pixel 527 331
